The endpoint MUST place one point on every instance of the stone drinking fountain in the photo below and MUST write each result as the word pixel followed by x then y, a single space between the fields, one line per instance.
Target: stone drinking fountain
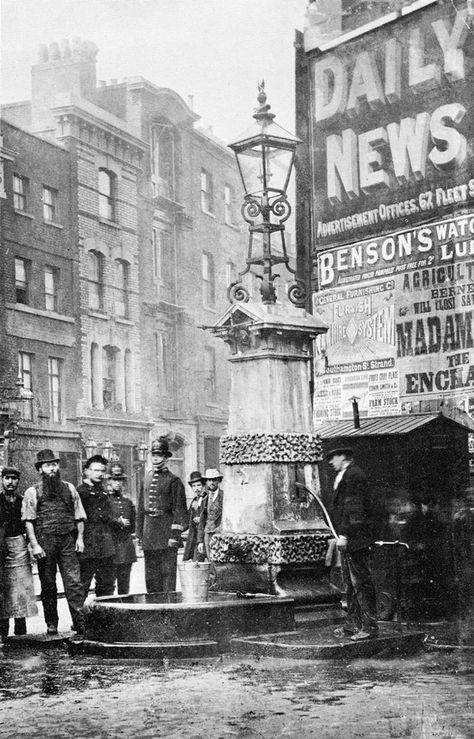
pixel 272 547
pixel 269 556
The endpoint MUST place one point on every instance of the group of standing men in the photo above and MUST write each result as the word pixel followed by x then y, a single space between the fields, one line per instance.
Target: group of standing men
pixel 87 533
pixel 84 533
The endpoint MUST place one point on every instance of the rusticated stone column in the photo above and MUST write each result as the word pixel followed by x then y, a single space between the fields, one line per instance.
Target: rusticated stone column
pixel 273 539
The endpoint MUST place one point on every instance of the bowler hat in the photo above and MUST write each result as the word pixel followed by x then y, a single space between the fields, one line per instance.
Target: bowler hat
pixel 195 477
pixel 44 456
pixel 10 472
pixel 212 474
pixel 161 446
pixel 345 450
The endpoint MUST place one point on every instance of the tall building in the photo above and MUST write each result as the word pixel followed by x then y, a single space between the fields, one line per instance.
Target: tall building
pixel 191 244
pixel 39 300
pixel 154 210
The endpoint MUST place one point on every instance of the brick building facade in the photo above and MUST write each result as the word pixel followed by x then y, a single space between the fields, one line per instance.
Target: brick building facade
pixel 155 241
pixel 40 297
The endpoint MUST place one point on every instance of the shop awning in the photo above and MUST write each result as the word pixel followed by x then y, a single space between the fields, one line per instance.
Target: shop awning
pixel 386 426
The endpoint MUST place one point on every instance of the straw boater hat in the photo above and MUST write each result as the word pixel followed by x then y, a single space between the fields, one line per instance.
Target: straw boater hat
pixel 345 450
pixel 195 477
pixel 212 474
pixel 161 446
pixel 44 456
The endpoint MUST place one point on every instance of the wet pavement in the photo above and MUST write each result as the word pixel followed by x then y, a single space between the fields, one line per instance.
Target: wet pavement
pixel 50 694
pixel 53 695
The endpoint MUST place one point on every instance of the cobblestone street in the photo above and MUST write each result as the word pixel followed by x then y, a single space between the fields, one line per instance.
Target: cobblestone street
pixel 55 696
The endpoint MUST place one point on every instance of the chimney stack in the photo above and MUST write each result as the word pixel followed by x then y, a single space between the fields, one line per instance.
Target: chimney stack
pixel 61 68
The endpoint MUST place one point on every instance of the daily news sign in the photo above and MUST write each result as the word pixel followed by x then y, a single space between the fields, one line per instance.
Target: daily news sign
pixel 392 125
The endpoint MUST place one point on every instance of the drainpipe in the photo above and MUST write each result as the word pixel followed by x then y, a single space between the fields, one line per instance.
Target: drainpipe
pixel 355 412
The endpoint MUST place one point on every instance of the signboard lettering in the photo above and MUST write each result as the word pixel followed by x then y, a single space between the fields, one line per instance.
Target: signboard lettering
pixel 391 112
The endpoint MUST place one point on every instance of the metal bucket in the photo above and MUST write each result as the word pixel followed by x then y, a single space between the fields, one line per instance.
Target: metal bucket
pixel 194 578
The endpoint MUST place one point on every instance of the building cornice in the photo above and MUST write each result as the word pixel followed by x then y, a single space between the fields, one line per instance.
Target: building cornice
pixel 92 125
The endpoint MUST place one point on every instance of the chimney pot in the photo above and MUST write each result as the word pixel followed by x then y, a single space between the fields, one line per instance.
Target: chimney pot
pixel 65 49
pixel 54 51
pixel 42 54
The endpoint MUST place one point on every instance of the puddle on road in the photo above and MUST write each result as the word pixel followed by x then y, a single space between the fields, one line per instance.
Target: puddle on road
pixel 54 673
pixel 231 696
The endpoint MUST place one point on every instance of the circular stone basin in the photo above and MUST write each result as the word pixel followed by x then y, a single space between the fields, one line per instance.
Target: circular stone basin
pixel 164 618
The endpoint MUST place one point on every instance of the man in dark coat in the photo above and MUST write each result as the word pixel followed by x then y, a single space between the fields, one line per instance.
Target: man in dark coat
pixel 123 526
pixel 352 517
pixel 191 547
pixel 97 560
pixel 54 521
pixel 161 518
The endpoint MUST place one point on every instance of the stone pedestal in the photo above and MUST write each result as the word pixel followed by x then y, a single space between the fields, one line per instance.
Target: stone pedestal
pixel 273 539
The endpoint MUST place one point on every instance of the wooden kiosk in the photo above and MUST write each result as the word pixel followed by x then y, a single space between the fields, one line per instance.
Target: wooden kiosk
pixel 417 465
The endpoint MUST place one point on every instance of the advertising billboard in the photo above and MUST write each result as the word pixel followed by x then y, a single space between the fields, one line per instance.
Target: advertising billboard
pixel 400 315
pixel 392 125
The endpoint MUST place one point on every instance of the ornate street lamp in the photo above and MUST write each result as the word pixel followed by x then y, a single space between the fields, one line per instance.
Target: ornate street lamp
pixel 265 154
pixel 12 403
pixel 90 447
pixel 108 450
pixel 142 450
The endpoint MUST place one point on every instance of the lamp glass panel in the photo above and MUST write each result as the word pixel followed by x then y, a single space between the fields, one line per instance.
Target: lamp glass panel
pixel 265 167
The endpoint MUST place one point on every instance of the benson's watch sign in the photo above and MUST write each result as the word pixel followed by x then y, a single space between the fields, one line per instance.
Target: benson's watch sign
pixel 392 125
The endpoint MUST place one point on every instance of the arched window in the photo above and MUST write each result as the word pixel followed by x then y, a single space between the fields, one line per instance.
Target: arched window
pixel 96 280
pixel 163 160
pixel 121 288
pixel 107 187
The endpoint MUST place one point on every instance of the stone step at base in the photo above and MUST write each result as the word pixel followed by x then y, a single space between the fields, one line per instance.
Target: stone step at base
pixel 318 618
pixel 41 641
pixel 151 650
pixel 320 643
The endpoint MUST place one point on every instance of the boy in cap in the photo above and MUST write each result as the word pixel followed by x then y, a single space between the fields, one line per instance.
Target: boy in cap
pixel 211 515
pixel 191 547
pixel 123 526
pixel 19 600
pixel 161 518
pixel 97 559
pixel 54 521
pixel 352 519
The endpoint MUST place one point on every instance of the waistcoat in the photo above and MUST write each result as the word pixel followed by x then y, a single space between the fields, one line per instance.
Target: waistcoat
pixel 54 516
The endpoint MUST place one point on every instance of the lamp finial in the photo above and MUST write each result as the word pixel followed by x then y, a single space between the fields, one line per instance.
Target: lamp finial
pixel 262 112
